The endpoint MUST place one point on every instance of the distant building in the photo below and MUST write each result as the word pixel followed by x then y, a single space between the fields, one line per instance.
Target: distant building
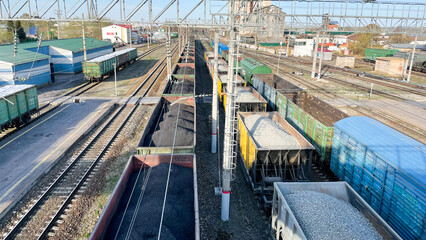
pixel 116 33
pixel 303 47
pixel 271 18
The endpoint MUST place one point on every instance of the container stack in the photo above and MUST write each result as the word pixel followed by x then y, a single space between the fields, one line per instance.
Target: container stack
pixel 386 168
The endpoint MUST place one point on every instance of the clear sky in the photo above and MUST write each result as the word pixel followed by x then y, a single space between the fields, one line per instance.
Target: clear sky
pixel 187 5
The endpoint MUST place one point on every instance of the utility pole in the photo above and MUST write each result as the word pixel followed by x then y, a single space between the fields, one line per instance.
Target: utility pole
pixel 169 60
pixel 321 57
pixel 288 44
pixel 229 144
pixel 131 29
pixel 84 39
pixel 314 63
pixel 412 59
pixel 59 17
pixel 214 100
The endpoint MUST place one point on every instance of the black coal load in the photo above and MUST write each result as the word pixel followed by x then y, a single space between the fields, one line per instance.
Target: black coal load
pixel 182 86
pixel 164 135
pixel 179 215
pixel 185 70
pixel 187 60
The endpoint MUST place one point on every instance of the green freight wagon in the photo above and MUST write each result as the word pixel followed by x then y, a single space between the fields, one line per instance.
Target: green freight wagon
pixel 419 60
pixel 250 66
pixel 99 67
pixel 313 118
pixel 372 53
pixel 17 103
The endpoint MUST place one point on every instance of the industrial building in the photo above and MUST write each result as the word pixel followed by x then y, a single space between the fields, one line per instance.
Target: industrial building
pixel 119 33
pixel 34 64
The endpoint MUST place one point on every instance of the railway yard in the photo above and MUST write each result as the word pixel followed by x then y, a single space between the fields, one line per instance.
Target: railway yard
pixel 217 132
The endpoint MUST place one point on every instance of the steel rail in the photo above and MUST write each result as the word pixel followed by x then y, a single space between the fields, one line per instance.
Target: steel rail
pixel 45 195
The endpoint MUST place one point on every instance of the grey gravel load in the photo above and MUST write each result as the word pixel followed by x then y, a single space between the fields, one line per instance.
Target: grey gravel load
pixel 244 95
pixel 269 134
pixel 322 216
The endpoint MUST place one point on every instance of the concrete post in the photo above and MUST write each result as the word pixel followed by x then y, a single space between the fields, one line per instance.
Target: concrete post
pixel 321 57
pixel 169 60
pixel 314 63
pixel 288 44
pixel 412 59
pixel 214 100
pixel 84 40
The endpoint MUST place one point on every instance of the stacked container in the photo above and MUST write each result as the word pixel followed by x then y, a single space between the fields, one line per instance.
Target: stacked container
pixel 387 168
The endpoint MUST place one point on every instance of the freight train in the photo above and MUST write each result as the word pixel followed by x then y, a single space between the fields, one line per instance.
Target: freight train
pixel 17 104
pixel 385 167
pixel 167 142
pixel 419 62
pixel 96 69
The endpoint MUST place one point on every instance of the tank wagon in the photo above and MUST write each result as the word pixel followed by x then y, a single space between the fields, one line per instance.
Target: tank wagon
pixel 266 162
pixel 372 53
pixel 17 103
pixel 181 215
pixel 386 168
pixel 250 66
pixel 287 219
pixel 97 68
pixel 419 60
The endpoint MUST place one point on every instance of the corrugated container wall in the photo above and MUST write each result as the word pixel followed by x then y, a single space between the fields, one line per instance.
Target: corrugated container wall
pixel 387 168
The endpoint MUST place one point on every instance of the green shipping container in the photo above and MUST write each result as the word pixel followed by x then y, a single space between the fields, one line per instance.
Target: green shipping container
pixel 372 53
pixel 250 66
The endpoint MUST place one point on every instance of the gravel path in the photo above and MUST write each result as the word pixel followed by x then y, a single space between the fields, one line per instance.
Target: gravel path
pixel 269 134
pixel 322 216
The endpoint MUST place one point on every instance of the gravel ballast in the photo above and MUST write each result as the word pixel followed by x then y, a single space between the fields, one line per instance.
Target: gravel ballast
pixel 179 215
pixel 243 95
pixel 269 134
pixel 322 216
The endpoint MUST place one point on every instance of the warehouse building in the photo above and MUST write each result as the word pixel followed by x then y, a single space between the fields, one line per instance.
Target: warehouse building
pixel 34 65
pixel 26 67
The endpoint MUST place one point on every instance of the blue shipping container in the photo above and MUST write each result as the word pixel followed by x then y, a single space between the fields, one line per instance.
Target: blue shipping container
pixel 387 168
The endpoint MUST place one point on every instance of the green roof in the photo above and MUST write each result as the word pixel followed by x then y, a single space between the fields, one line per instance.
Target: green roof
pixel 70 44
pixel 23 56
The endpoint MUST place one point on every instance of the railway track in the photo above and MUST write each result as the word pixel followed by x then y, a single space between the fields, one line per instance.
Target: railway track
pixel 395 84
pixel 417 73
pixel 393 122
pixel 48 107
pixel 42 217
